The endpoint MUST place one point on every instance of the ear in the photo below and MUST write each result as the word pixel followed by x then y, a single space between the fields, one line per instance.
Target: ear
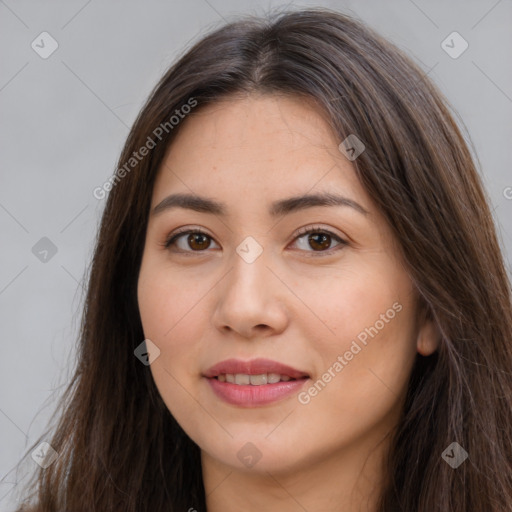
pixel 429 337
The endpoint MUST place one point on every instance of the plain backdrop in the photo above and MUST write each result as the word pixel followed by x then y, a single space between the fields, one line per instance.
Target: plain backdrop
pixel 64 119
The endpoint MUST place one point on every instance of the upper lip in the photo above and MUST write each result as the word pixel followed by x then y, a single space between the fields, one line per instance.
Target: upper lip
pixel 253 367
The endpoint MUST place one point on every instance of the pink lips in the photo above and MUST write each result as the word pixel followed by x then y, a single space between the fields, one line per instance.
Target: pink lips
pixel 253 367
pixel 251 395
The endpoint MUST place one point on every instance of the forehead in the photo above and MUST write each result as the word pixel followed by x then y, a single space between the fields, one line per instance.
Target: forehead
pixel 256 147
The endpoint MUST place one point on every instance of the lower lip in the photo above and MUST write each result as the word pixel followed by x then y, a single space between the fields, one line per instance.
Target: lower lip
pixel 254 396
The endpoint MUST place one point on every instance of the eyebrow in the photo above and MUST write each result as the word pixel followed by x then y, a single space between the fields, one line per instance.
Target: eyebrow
pixel 277 209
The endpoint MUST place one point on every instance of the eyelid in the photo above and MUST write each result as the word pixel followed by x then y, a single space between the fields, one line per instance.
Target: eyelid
pixel 342 242
pixel 186 230
pixel 170 239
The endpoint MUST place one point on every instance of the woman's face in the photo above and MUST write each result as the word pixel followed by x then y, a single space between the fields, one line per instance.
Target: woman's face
pixel 330 315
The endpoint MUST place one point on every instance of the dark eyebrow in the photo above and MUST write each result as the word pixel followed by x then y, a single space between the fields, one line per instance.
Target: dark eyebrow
pixel 278 208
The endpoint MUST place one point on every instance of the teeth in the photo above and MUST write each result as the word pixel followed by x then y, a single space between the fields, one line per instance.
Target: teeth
pixel 272 378
pixel 258 380
pixel 243 379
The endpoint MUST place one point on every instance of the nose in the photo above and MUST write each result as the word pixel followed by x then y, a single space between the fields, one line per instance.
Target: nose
pixel 251 300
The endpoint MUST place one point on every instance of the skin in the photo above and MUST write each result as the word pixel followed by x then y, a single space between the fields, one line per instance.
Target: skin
pixel 293 304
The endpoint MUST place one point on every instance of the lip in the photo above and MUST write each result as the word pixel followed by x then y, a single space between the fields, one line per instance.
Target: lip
pixel 253 367
pixel 249 395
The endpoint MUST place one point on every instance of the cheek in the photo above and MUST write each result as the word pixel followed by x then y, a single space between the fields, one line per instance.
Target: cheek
pixel 170 319
pixel 351 300
pixel 167 301
pixel 360 387
pixel 368 354
pixel 173 317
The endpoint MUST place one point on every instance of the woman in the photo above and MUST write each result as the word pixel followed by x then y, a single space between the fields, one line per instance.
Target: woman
pixel 297 299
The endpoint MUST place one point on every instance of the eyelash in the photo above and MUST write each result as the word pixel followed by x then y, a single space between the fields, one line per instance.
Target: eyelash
pixel 171 240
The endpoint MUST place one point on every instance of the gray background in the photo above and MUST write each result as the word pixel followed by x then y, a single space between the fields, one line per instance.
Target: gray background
pixel 64 120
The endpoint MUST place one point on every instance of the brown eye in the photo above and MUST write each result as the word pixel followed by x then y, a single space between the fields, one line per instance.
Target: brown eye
pixel 312 240
pixel 189 241
pixel 319 241
pixel 198 241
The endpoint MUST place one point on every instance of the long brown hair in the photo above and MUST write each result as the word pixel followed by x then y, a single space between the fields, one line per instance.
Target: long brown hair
pixel 119 447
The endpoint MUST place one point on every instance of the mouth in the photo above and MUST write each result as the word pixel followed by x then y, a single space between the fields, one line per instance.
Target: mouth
pixel 244 379
pixel 254 383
